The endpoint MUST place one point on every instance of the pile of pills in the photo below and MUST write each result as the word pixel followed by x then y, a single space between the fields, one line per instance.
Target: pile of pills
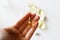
pixel 42 22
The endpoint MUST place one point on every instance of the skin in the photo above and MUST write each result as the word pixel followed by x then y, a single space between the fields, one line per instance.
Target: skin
pixel 21 30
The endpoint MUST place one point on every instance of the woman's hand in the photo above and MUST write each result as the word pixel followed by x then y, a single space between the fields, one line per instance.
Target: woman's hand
pixel 22 30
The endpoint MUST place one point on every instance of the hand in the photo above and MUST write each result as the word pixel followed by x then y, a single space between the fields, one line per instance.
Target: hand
pixel 21 30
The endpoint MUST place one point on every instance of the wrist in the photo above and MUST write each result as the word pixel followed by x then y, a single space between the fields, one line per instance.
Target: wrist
pixel 4 35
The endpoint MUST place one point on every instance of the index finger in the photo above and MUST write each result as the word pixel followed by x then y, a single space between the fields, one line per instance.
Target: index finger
pixel 31 31
pixel 20 22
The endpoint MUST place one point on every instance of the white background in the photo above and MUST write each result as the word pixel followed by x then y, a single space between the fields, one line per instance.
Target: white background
pixel 12 10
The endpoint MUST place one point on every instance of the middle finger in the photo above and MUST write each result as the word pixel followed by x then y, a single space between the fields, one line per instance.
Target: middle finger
pixel 26 23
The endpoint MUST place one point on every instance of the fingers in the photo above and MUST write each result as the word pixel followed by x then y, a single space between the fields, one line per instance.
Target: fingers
pixel 32 16
pixel 26 24
pixel 35 19
pixel 26 30
pixel 28 27
pixel 20 22
pixel 23 27
pixel 31 31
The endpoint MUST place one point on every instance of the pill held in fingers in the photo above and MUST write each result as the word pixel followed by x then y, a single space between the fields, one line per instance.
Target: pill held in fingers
pixel 30 22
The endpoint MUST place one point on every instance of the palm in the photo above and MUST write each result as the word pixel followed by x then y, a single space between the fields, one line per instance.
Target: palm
pixel 23 31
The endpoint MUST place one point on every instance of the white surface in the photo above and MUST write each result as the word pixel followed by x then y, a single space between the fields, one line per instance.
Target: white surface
pixel 12 10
